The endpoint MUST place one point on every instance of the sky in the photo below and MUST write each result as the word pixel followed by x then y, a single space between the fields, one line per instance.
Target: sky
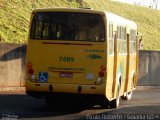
pixel 146 3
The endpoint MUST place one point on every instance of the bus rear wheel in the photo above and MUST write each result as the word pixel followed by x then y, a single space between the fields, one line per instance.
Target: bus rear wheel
pixel 128 96
pixel 115 103
pixel 110 104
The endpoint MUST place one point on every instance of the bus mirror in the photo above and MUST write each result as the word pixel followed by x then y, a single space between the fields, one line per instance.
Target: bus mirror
pixel 140 42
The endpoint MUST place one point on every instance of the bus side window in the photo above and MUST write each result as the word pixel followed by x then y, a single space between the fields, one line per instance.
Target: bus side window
pixel 118 39
pixel 132 41
pixel 111 40
pixel 96 33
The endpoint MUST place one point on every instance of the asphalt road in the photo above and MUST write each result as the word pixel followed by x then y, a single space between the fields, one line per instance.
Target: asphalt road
pixel 145 105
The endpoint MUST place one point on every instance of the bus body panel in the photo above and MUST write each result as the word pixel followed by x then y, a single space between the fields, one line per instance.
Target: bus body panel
pixel 132 72
pixel 121 72
pixel 77 63
pixel 110 78
pixel 67 88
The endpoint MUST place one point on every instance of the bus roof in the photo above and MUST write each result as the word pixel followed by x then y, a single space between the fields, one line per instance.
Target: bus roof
pixel 85 10
pixel 121 20
pixel 110 16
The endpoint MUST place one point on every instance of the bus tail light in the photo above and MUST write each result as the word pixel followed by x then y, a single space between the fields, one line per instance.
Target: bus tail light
pixel 30 69
pixel 29 65
pixel 103 70
pixel 101 74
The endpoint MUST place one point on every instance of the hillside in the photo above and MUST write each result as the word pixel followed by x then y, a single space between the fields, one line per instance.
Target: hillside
pixel 15 15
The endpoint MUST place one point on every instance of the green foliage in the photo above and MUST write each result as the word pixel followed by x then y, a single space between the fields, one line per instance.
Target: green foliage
pixel 15 17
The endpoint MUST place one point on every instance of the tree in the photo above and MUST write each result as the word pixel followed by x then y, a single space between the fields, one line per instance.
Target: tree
pixel 155 3
pixel 151 3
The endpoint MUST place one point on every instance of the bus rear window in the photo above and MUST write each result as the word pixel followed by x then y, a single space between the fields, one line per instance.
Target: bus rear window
pixel 67 26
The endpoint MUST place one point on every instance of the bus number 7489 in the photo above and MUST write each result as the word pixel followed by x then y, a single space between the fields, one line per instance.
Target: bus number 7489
pixel 66 59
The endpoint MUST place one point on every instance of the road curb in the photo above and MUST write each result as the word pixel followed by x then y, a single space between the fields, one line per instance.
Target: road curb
pixel 147 87
pixel 12 89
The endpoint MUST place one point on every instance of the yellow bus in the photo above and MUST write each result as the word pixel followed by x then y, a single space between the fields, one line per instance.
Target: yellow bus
pixel 80 53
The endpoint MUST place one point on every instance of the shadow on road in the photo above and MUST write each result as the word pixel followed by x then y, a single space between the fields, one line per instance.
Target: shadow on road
pixel 25 106
pixel 127 113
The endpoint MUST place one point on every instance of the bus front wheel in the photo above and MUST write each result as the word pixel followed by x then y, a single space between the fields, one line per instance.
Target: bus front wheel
pixel 128 96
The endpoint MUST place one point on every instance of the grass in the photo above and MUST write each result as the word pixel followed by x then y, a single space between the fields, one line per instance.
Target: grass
pixel 15 15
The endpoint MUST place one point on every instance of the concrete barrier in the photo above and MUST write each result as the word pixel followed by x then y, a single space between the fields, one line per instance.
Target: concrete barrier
pixel 149 68
pixel 12 66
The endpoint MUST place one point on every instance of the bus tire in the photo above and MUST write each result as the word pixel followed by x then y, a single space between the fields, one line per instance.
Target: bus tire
pixel 115 103
pixel 128 96
pixel 133 82
pixel 104 103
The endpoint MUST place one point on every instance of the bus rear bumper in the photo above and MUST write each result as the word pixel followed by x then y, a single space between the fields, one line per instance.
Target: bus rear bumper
pixel 65 88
